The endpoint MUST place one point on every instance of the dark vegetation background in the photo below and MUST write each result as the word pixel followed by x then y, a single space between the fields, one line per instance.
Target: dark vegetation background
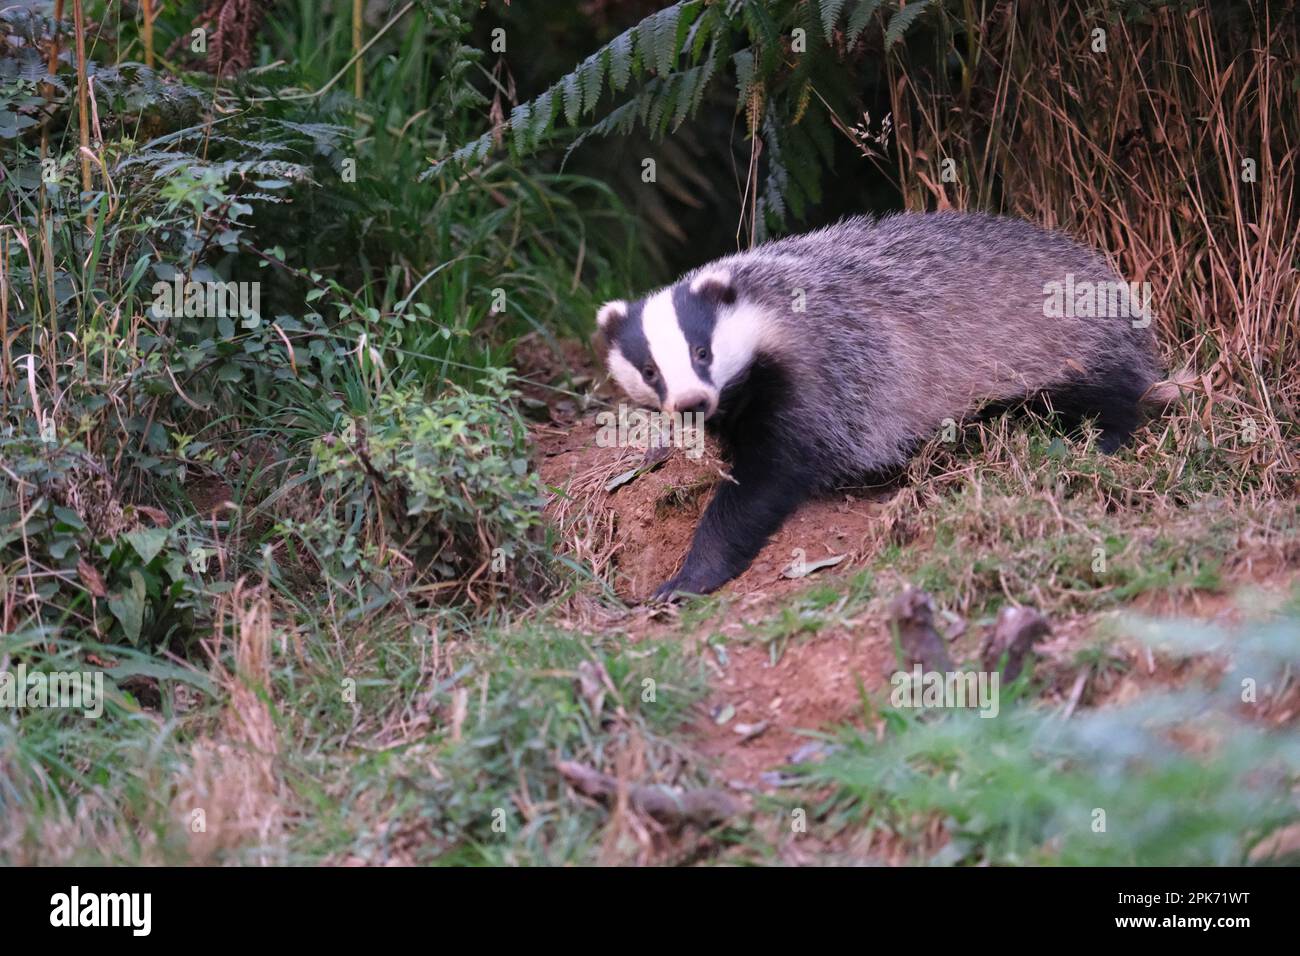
pixel 235 517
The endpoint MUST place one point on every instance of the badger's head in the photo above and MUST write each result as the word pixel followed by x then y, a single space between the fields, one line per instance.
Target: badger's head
pixel 678 349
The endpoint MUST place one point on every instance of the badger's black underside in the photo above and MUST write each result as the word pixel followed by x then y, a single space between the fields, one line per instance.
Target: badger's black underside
pixel 771 476
pixel 773 472
pixel 1112 401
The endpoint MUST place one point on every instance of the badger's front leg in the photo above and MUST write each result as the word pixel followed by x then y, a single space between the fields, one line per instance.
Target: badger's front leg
pixel 769 483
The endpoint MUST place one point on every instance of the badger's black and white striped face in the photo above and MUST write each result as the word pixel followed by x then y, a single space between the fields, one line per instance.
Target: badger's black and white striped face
pixel 676 350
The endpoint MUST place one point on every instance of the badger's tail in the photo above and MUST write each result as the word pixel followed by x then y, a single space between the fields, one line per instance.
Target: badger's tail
pixel 1170 390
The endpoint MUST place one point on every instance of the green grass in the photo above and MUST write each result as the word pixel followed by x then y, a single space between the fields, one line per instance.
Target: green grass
pixel 1105 787
pixel 377 775
pixel 1016 514
pixel 493 795
pixel 317 694
pixel 821 606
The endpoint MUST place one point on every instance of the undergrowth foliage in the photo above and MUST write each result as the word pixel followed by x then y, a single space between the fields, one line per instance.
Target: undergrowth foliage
pixel 216 509
pixel 789 61
pixel 134 404
pixel 1109 787
pixel 299 533
pixel 456 494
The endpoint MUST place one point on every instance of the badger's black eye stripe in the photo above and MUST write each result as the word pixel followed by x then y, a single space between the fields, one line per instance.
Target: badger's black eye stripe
pixel 696 317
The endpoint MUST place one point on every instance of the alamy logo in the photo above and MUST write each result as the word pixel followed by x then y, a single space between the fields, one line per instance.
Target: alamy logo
pixel 76 690
pixel 103 909
pixel 1102 300
pixel 638 428
pixel 918 688
pixel 206 299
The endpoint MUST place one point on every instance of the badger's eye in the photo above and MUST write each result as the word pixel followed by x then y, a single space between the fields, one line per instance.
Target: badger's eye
pixel 701 354
pixel 649 373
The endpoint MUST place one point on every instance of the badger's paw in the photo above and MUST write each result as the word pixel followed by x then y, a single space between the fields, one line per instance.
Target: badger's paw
pixel 671 590
pixel 685 584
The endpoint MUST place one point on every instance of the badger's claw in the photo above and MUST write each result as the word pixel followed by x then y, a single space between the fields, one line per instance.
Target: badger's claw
pixel 678 586
pixel 667 591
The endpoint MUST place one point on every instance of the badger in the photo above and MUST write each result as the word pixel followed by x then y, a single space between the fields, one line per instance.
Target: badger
pixel 823 358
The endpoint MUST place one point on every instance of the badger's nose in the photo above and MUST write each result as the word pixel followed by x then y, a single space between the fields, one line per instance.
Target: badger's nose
pixel 696 403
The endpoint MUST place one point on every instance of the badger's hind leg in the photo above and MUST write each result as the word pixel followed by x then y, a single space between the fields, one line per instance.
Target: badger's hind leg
pixel 1113 402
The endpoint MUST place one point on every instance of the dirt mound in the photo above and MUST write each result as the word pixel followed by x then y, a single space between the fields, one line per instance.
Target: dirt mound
pixel 641 528
pixel 656 512
pixel 779 672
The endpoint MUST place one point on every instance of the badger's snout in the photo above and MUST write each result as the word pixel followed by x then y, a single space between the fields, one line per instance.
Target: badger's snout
pixel 693 403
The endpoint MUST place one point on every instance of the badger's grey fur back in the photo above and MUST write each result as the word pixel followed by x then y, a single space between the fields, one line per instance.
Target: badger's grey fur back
pixel 919 318
pixel 827 356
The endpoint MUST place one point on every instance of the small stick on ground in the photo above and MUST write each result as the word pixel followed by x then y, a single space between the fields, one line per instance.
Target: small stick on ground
pixel 912 619
pixel 702 808
pixel 1016 632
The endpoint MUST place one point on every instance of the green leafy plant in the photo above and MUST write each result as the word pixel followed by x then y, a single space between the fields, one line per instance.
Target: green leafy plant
pixel 439 488
pixel 1177 778
pixel 790 63
pixel 79 559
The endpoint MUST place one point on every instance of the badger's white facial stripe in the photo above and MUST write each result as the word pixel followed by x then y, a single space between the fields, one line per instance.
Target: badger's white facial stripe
pixel 609 310
pixel 741 330
pixel 670 351
pixel 629 379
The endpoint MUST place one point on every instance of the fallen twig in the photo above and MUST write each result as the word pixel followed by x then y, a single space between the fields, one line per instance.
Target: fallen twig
pixel 702 808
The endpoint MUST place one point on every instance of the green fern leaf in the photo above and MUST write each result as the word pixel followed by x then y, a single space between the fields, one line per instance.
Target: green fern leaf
pixel 620 60
pixel 643 104
pixel 859 19
pixel 700 32
pixel 539 122
pixel 572 99
pixel 764 32
pixel 519 119
pixel 830 10
pixel 664 28
pixel 646 50
pixel 688 85
pixel 823 136
pixel 902 20
pixel 801 158
pixel 707 69
pixel 591 75
pixel 663 103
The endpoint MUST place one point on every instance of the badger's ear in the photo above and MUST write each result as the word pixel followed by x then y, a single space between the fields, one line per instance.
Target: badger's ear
pixel 715 286
pixel 610 313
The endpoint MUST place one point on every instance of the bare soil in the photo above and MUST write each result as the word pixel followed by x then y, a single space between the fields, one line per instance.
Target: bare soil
pixel 766 697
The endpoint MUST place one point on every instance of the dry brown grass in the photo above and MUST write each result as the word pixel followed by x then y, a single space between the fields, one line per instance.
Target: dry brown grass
pixel 232 794
pixel 1139 151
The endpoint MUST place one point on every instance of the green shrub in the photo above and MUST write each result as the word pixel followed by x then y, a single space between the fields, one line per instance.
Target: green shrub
pixel 436 488
pixel 78 558
pixel 1181 776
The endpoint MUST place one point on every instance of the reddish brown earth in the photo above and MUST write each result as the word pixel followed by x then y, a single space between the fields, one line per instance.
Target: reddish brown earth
pixel 814 680
pixel 765 700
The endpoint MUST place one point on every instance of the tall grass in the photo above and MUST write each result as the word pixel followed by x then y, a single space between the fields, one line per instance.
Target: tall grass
pixel 1175 149
pixel 306 685
pixel 163 479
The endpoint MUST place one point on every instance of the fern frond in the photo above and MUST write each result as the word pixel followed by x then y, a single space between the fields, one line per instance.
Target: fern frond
pixel 572 98
pixel 620 60
pixel 902 20
pixel 830 11
pixel 859 19
pixel 664 28
pixel 591 76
